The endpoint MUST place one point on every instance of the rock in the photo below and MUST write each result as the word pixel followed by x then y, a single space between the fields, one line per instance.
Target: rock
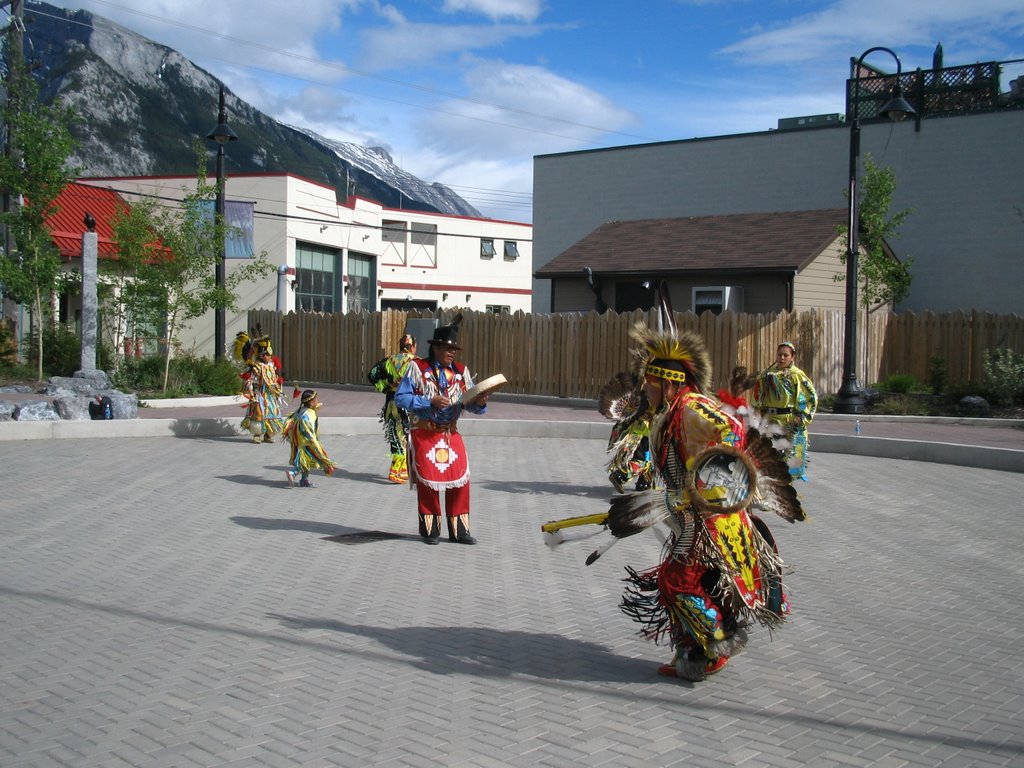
pixel 66 386
pixel 73 407
pixel 21 389
pixel 35 410
pixel 7 409
pixel 126 406
pixel 974 405
pixel 98 380
pixel 76 407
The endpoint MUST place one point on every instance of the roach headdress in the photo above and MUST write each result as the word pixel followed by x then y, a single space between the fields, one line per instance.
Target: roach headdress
pixel 674 355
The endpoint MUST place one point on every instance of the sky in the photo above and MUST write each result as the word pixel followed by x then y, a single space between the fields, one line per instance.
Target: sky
pixel 467 92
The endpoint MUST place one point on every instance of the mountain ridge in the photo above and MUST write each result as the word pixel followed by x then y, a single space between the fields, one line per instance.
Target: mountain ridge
pixel 141 105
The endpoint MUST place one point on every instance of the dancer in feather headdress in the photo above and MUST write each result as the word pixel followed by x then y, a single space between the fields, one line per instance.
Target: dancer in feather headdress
pixel 263 391
pixel 720 570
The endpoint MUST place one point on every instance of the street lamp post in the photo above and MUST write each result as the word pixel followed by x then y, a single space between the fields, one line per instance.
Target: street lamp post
pixel 850 398
pixel 222 134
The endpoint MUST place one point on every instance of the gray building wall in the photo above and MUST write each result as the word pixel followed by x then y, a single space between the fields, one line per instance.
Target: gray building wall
pixel 963 176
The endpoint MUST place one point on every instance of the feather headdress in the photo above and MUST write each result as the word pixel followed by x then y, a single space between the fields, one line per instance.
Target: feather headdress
pixel 683 349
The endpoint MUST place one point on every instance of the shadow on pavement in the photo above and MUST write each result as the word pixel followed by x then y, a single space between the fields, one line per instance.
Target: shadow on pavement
pixel 204 428
pixel 493 653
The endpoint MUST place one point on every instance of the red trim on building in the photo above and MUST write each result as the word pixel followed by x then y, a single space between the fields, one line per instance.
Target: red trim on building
pixel 467 288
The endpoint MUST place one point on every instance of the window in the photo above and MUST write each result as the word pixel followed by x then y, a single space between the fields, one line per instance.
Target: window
pixel 498 309
pixel 361 281
pixel 487 249
pixel 423 234
pixel 511 250
pixel 392 231
pixel 316 283
pixel 717 299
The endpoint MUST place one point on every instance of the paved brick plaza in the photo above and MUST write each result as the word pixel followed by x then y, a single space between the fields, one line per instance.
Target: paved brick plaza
pixel 168 602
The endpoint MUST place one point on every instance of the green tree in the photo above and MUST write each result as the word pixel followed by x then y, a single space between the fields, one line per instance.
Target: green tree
pixel 175 279
pixel 33 172
pixel 883 278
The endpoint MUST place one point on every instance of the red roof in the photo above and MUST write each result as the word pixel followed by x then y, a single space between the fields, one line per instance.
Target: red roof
pixel 67 223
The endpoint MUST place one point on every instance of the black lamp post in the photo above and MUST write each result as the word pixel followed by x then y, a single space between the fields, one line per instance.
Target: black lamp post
pixel 850 398
pixel 222 134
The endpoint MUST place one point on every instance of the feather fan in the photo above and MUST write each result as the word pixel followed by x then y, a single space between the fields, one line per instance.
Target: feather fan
pixel 631 513
pixel 620 397
pixel 774 483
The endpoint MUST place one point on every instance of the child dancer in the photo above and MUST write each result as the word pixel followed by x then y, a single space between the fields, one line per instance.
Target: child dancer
pixel 302 431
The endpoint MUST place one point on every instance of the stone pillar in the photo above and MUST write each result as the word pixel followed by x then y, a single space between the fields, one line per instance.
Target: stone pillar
pixel 90 301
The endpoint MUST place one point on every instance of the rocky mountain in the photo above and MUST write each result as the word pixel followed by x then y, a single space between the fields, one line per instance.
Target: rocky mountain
pixel 141 105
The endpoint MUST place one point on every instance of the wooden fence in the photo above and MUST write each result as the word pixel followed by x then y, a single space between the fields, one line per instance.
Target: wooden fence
pixel 573 355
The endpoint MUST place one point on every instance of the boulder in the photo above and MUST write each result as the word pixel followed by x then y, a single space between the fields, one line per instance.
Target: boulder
pixel 35 410
pixel 7 409
pixel 67 386
pixel 76 407
pixel 98 380
pixel 21 389
pixel 974 405
pixel 126 406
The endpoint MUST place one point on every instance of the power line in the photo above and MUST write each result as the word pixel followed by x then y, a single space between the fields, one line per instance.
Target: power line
pixel 275 216
pixel 367 75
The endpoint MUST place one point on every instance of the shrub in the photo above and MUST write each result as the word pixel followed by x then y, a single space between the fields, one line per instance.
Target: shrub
pixel 900 383
pixel 218 377
pixel 938 374
pixel 62 352
pixel 1004 374
pixel 188 375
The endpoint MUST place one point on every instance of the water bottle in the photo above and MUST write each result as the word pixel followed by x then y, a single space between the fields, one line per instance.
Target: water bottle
pixel 856 427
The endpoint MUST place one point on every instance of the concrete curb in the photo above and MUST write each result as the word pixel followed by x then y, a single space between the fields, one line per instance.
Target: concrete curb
pixel 982 457
pixel 1004 459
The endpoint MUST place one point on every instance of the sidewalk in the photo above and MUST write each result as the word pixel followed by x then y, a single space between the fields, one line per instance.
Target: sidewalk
pixel 983 443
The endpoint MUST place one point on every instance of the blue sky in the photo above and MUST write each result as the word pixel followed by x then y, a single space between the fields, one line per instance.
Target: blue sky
pixel 466 92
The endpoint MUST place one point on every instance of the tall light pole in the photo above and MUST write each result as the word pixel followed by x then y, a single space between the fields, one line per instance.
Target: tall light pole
pixel 222 134
pixel 850 398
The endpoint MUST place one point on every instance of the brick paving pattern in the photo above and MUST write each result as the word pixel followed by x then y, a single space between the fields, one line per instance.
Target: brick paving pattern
pixel 170 602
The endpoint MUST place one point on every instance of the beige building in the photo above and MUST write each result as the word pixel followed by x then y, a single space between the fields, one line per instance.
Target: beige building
pixel 753 263
pixel 351 256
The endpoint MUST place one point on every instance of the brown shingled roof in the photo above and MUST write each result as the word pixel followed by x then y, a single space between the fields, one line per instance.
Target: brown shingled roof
pixel 745 241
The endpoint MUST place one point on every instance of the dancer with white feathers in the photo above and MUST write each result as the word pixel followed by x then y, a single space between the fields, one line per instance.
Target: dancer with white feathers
pixel 720 570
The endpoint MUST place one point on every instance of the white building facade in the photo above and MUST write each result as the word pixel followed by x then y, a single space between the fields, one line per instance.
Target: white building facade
pixel 351 256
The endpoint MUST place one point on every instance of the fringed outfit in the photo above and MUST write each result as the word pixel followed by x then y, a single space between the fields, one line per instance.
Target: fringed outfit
pixel 787 397
pixel 631 457
pixel 439 461
pixel 302 430
pixel 720 570
pixel 395 419
pixel 263 389
pixel 629 443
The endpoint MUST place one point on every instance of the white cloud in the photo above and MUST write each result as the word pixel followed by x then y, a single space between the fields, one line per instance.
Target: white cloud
pixel 527 10
pixel 403 45
pixel 540 110
pixel 912 28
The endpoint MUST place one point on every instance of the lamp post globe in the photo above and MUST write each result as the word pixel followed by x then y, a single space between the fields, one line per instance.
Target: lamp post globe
pixel 850 398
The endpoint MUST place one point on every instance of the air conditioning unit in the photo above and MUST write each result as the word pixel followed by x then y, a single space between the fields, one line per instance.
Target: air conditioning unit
pixel 717 299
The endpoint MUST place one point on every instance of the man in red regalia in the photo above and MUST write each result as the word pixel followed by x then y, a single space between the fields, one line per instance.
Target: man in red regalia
pixel 432 392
